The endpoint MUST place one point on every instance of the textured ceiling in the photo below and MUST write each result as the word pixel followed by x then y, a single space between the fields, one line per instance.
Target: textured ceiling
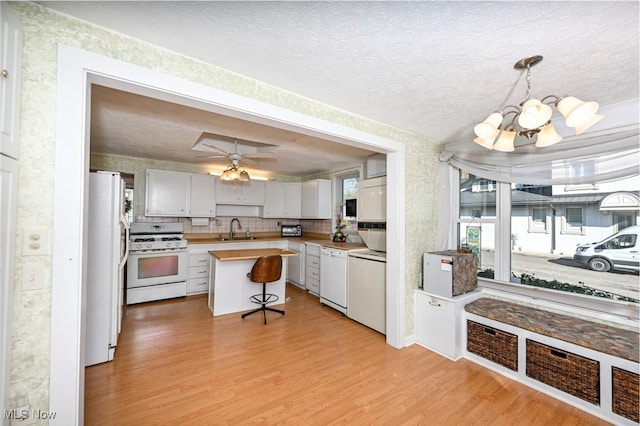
pixel 432 68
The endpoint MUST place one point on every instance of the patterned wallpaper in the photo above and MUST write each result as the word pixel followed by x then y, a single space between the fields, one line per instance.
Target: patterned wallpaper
pixel 43 31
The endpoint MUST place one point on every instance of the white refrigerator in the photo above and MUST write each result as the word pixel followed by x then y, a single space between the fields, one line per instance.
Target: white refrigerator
pixel 108 242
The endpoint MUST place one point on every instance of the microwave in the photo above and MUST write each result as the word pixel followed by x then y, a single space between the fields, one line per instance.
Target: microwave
pixel 291 231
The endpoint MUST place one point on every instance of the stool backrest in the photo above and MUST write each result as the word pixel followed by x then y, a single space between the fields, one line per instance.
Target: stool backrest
pixel 266 269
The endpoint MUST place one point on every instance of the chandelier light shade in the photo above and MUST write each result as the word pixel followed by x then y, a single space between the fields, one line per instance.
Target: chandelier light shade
pixel 235 173
pixel 532 118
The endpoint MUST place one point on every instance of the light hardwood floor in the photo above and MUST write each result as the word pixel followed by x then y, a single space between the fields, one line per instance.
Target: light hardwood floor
pixel 177 365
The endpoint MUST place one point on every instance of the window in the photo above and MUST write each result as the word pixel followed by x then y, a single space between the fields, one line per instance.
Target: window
pixel 346 188
pixel 621 242
pixel 572 223
pixel 525 235
pixel 476 224
pixel 538 219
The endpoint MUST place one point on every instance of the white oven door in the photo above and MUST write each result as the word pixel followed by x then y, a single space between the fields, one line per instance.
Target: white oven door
pixel 156 267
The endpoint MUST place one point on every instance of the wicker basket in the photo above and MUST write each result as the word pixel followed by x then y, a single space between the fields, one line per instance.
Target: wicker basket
pixel 493 344
pixel 626 394
pixel 563 370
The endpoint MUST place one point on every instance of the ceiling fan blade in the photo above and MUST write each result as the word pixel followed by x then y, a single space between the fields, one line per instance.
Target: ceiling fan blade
pixel 211 156
pixel 216 148
pixel 259 155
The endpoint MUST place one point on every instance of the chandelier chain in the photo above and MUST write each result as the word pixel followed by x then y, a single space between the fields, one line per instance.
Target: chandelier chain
pixel 528 80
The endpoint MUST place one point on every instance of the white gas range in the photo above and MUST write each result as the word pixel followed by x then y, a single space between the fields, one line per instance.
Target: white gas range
pixel 157 266
pixel 156 236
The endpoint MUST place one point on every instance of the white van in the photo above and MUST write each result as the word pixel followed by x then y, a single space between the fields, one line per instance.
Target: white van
pixel 619 251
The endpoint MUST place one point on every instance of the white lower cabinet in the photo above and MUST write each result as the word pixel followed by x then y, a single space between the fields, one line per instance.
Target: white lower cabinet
pixel 312 268
pixel 200 260
pixel 439 322
pixel 199 266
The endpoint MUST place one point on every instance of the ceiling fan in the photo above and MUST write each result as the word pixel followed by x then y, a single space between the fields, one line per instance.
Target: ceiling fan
pixel 233 149
pixel 245 151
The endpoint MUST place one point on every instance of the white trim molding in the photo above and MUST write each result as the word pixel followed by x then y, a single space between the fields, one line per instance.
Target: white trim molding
pixel 77 69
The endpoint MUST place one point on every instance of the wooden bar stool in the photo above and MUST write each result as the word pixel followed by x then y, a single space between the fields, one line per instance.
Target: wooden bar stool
pixel 267 269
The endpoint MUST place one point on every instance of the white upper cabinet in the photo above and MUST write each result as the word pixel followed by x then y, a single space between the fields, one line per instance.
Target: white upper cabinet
pixel 10 79
pixel 252 193
pixel 316 199
pixel 274 200
pixel 167 193
pixel 292 200
pixel 372 200
pixel 202 202
pixel 180 194
pixel 283 200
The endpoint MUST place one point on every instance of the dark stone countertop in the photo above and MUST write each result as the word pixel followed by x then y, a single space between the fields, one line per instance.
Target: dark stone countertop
pixel 604 338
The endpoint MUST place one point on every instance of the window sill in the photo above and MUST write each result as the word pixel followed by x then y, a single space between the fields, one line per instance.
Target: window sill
pixel 623 314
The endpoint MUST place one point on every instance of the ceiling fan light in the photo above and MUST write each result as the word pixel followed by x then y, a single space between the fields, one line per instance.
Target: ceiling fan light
pixel 486 143
pixel 243 176
pixel 587 124
pixel 534 114
pixel 547 136
pixel 488 129
pixel 505 141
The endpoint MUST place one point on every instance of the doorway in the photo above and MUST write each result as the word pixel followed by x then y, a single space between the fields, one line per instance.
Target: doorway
pixel 77 69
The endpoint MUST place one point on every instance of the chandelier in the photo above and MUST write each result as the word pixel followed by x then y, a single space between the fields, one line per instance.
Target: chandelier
pixel 532 118
pixel 235 173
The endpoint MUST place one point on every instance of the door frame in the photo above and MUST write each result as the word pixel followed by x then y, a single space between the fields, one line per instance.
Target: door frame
pixel 77 70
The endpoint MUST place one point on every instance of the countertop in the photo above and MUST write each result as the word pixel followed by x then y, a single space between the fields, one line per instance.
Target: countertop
pixel 244 254
pixel 195 238
pixel 336 245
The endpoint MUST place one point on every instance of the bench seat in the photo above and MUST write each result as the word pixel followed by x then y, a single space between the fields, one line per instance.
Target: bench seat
pixel 618 342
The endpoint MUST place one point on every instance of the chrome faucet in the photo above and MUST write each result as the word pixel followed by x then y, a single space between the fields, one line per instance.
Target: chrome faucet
pixel 231 231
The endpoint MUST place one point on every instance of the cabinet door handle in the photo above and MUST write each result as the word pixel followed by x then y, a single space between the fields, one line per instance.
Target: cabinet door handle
pixel 5 74
pixel 432 303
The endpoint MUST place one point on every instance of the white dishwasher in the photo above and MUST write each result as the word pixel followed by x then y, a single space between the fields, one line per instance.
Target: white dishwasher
pixel 333 278
pixel 367 289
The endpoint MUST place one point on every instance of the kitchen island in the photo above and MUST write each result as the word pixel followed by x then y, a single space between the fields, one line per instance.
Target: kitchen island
pixel 229 286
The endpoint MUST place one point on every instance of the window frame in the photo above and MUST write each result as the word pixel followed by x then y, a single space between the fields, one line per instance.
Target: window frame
pixel 338 194
pixel 501 285
pixel 572 227
pixel 538 226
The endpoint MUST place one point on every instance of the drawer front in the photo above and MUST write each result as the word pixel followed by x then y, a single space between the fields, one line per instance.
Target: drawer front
pixel 197 285
pixel 493 344
pixel 199 272
pixel 313 250
pixel 626 394
pixel 312 284
pixel 312 273
pixel 199 259
pixel 571 373
pixel 313 261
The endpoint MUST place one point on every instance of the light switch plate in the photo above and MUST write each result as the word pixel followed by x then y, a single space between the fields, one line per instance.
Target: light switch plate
pixel 32 277
pixel 35 241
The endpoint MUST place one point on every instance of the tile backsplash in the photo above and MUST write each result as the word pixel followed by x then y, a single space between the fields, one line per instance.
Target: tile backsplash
pixel 252 224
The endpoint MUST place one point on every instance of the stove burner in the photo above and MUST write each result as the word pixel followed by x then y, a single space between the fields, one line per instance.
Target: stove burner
pixel 171 238
pixel 143 240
